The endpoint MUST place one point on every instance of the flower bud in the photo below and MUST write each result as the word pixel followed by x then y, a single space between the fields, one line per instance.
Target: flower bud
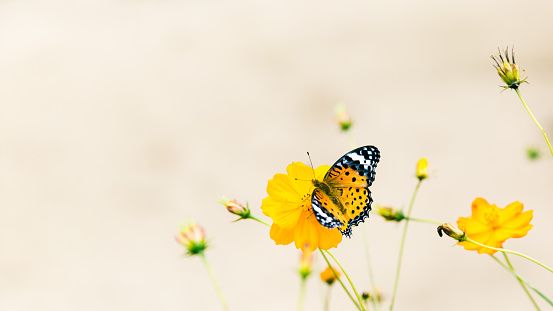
pixel 235 208
pixel 508 70
pixel 389 213
pixel 452 231
pixel 328 276
pixel 192 237
pixel 306 261
pixel 342 117
pixel 422 169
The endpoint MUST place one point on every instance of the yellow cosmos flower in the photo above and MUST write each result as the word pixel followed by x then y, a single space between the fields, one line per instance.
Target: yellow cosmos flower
pixel 328 276
pixel 491 225
pixel 289 205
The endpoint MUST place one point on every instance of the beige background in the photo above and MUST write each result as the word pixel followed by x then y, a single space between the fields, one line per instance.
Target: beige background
pixel 121 119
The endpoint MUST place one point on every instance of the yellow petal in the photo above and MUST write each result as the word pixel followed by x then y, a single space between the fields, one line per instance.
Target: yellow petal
pixel 282 187
pixel 281 236
pixel 285 214
pixel 480 209
pixel 329 238
pixel 306 233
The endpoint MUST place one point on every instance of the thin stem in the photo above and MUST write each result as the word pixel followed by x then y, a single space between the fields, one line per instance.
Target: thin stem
pixel 535 121
pixel 301 298
pixel 339 280
pixel 369 265
pixel 521 283
pixel 430 221
pixel 510 252
pixel 327 298
pixel 351 139
pixel 258 220
pixel 523 280
pixel 214 280
pixel 349 280
pixel 403 244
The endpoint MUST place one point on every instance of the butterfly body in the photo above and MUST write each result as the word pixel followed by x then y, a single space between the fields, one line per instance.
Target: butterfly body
pixel 342 199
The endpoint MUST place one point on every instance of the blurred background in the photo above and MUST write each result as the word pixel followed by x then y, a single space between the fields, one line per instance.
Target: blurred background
pixel 119 120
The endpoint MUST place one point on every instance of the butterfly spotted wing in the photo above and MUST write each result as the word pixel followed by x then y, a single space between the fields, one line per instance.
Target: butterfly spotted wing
pixel 342 199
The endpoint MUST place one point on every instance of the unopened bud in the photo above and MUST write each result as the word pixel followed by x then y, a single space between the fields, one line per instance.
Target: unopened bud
pixel 452 231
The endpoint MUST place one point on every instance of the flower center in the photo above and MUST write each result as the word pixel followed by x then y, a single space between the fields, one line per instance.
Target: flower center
pixel 491 217
pixel 306 202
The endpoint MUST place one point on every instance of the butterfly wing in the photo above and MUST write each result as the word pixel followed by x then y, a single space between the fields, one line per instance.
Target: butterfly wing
pixel 326 212
pixel 350 177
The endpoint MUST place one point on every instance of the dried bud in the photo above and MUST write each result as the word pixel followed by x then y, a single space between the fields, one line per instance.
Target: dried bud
pixel 235 208
pixel 508 70
pixel 192 237
pixel 452 231
pixel 328 276
pixel 342 117
pixel 389 213
pixel 370 295
pixel 422 169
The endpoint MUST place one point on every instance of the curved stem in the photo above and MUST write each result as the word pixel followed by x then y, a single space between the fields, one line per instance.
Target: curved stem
pixel 510 252
pixel 214 280
pixel 521 283
pixel 349 280
pixel 535 121
pixel 339 280
pixel 403 244
pixel 523 280
pixel 430 221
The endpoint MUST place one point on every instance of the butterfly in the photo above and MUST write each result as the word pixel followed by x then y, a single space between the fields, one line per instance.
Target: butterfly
pixel 343 199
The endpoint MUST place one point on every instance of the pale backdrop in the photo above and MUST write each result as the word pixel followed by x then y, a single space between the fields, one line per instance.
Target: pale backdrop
pixel 121 119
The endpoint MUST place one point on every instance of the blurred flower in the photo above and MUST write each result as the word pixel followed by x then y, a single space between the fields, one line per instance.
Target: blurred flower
pixel 422 169
pixel 289 205
pixel 328 276
pixel 192 237
pixel 235 208
pixel 305 262
pixel 389 213
pixel 451 231
pixel 533 153
pixel 342 117
pixel 508 70
pixel 491 225
pixel 369 295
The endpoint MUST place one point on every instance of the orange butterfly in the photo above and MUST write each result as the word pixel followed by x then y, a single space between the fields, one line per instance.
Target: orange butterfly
pixel 343 199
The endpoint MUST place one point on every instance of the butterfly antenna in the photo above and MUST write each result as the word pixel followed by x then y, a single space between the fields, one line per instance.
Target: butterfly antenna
pixel 311 164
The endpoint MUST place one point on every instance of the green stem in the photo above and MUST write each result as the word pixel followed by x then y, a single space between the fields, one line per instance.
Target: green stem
pixel 258 220
pixel 521 283
pixel 523 280
pixel 301 298
pixel 430 221
pixel 349 280
pixel 214 280
pixel 339 280
pixel 510 252
pixel 535 121
pixel 403 244
pixel 327 298
pixel 371 274
pixel 351 139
